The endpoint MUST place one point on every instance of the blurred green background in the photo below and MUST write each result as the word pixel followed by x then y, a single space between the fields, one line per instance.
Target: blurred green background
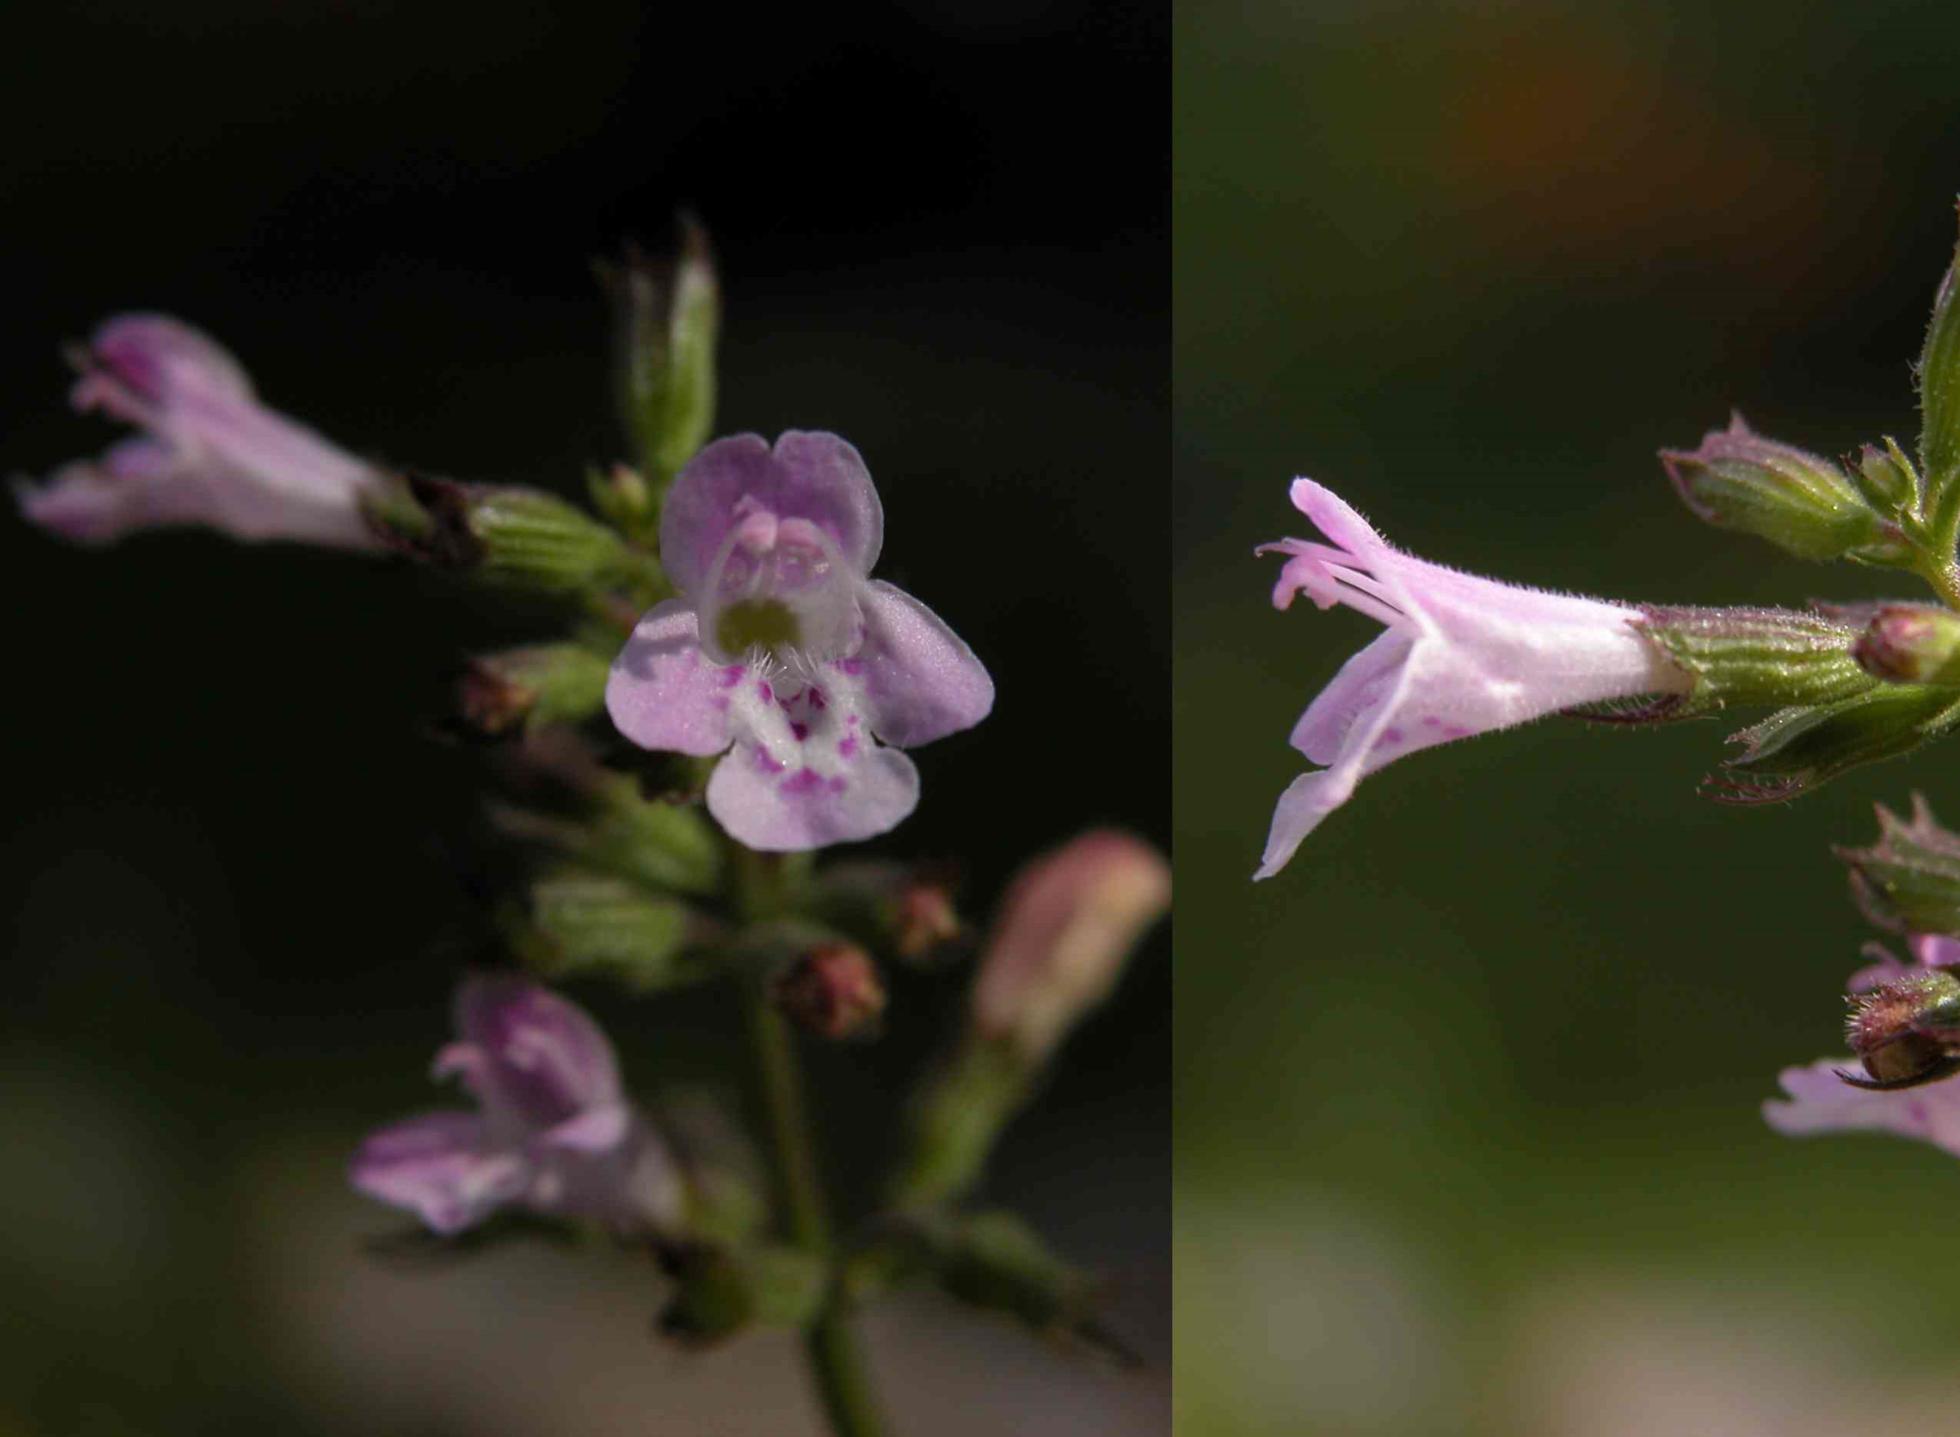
pixel 1467 1132
pixel 237 853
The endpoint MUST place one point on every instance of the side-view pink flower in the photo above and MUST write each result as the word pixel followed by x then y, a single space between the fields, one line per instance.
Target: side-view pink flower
pixel 1461 655
pixel 781 655
pixel 210 453
pixel 553 1132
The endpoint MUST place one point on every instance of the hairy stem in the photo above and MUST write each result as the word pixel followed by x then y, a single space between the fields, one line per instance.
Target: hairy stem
pixel 831 1345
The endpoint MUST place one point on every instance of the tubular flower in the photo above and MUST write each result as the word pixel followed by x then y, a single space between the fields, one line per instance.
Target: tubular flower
pixel 782 656
pixel 553 1132
pixel 1902 1035
pixel 210 452
pixel 1461 655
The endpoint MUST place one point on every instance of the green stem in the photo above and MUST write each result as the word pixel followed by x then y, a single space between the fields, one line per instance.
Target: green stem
pixel 836 1356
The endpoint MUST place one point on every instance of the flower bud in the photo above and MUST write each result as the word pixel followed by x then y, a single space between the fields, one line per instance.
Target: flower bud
pixel 832 990
pixel 1797 749
pixel 904 910
pixel 666 318
pixel 1802 503
pixel 723 1291
pixel 1909 881
pixel 544 683
pixel 1886 478
pixel 1939 393
pixel 625 500
pixel 1908 1032
pixel 1068 923
pixel 594 922
pixel 1911 644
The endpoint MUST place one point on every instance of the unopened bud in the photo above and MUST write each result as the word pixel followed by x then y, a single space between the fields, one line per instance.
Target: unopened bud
pixel 832 990
pixel 904 911
pixel 625 500
pixel 666 318
pixel 923 919
pixel 1067 925
pixel 1939 394
pixel 1887 478
pixel 1801 503
pixel 1908 1032
pixel 1911 644
pixel 1798 748
pixel 1909 881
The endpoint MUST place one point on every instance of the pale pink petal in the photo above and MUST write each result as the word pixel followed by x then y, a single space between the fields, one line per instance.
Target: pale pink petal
pixel 1821 1102
pixel 529 1053
pixel 920 681
pixel 782 810
pixel 663 693
pixel 1934 949
pixel 806 475
pixel 440 1166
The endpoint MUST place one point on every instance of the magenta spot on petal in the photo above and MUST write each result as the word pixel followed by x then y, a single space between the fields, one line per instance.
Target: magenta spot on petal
pixel 768 694
pixel 803 781
pixel 848 748
pixel 851 722
pixel 851 667
pixel 765 763
pixel 816 698
pixel 1455 730
pixel 1392 735
pixel 1431 721
pixel 799 731
pixel 732 675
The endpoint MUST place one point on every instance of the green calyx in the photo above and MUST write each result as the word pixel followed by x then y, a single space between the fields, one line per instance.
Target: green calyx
pixel 1797 749
pixel 1759 657
pixel 1909 881
pixel 666 323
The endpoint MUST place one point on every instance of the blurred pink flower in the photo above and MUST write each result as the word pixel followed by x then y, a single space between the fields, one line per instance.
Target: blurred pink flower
pixel 1067 924
pixel 553 1131
pixel 1460 656
pixel 210 454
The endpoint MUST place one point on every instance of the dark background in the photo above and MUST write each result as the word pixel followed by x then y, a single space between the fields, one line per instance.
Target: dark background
pixel 1467 1098
pixel 233 840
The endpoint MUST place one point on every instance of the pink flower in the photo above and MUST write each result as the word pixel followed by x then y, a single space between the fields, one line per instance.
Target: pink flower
pixel 553 1132
pixel 1820 1101
pixel 781 655
pixel 1461 655
pixel 210 454
pixel 1066 926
